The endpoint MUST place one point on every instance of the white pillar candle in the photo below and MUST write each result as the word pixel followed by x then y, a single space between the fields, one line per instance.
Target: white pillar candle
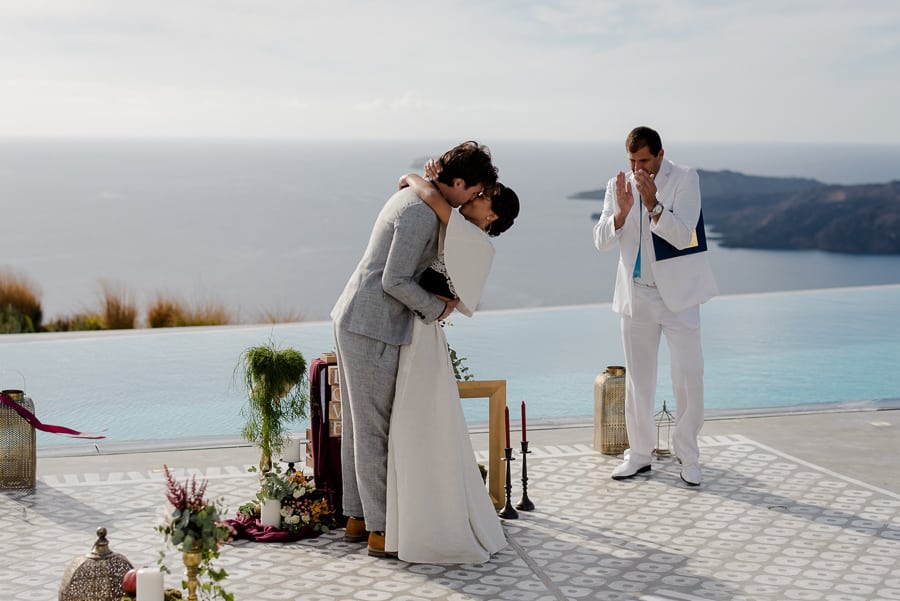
pixel 149 585
pixel 269 513
pixel 293 451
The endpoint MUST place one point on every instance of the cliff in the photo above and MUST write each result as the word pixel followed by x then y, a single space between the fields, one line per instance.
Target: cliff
pixel 747 211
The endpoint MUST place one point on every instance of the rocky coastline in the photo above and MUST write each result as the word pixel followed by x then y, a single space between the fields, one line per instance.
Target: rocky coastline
pixel 780 213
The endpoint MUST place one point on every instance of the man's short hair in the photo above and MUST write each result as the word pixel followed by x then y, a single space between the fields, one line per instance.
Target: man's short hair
pixel 470 161
pixel 643 136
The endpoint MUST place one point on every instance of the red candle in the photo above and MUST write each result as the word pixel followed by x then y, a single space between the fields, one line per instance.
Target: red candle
pixel 506 411
pixel 523 422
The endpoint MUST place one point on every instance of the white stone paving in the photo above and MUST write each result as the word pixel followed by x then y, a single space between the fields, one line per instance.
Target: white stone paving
pixel 763 526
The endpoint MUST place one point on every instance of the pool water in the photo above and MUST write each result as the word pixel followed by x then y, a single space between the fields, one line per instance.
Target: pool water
pixel 764 350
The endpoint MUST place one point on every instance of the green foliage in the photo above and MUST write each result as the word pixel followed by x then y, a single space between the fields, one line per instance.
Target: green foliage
pixel 189 528
pixel 195 525
pixel 303 506
pixel 75 323
pixel 272 484
pixel 24 298
pixel 460 370
pixel 13 321
pixel 209 583
pixel 275 381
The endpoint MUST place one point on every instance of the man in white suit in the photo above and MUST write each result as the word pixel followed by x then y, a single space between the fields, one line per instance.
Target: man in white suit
pixel 656 295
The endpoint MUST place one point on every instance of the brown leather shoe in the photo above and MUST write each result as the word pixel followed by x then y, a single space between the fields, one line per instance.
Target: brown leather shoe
pixel 376 546
pixel 355 531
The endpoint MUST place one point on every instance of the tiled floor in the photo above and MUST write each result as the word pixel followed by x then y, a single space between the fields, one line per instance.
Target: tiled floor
pixel 763 526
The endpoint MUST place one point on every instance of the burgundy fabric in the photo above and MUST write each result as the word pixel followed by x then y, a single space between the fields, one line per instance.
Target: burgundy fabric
pixel 326 450
pixel 29 417
pixel 248 527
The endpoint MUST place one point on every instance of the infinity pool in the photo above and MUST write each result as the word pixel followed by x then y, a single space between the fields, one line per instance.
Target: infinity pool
pixel 766 350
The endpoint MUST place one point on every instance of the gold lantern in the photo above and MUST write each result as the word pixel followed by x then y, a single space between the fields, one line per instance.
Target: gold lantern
pixel 97 576
pixel 665 423
pixel 610 435
pixel 17 444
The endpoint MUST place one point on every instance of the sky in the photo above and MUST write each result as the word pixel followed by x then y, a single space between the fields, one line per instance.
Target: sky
pixel 824 71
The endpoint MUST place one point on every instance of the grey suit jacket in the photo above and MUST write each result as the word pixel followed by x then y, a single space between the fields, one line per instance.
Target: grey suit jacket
pixel 383 295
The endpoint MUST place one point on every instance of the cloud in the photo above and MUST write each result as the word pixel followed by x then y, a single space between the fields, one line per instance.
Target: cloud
pixel 567 69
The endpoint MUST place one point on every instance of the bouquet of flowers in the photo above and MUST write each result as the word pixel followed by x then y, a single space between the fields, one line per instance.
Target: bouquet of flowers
pixel 194 526
pixel 305 511
pixel 305 506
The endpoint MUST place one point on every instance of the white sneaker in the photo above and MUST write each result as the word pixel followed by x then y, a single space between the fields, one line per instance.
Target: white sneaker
pixel 690 473
pixel 626 470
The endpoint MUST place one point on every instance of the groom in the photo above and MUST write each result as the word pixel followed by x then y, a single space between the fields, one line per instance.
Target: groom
pixel 374 316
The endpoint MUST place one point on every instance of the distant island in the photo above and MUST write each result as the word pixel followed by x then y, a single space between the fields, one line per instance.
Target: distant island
pixel 788 213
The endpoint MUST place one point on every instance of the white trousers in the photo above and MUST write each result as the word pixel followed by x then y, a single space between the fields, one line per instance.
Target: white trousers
pixel 640 338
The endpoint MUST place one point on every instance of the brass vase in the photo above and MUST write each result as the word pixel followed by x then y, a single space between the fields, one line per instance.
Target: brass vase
pixel 610 432
pixel 192 563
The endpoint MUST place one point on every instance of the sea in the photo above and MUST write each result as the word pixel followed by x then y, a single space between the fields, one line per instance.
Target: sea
pixel 278 226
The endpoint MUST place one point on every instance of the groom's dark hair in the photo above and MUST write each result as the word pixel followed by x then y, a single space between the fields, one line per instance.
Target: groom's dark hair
pixel 470 161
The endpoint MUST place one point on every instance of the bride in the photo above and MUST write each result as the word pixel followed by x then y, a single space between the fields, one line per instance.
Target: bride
pixel 438 509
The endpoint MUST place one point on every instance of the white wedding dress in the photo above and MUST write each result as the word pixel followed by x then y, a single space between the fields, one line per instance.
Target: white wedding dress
pixel 438 508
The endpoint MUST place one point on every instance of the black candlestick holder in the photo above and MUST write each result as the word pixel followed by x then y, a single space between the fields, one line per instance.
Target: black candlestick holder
pixel 525 504
pixel 508 512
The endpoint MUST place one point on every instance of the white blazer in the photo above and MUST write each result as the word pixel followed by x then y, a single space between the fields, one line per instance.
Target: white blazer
pixel 682 281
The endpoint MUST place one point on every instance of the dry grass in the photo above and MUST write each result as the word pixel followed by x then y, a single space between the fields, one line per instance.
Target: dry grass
pixel 76 322
pixel 21 300
pixel 211 313
pixel 280 315
pixel 20 310
pixel 168 311
pixel 118 310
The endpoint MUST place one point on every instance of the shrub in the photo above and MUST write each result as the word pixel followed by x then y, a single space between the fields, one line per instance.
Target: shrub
pixel 280 315
pixel 14 322
pixel 167 311
pixel 75 323
pixel 20 299
pixel 118 310
pixel 210 313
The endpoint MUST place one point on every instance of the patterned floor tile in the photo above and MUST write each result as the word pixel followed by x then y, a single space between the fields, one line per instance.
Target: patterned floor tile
pixel 763 526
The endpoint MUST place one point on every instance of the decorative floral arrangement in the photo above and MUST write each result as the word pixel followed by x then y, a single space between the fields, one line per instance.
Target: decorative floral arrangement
pixel 304 509
pixel 195 526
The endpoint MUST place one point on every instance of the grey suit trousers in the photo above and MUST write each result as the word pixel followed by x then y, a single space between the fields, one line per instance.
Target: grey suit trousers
pixel 368 376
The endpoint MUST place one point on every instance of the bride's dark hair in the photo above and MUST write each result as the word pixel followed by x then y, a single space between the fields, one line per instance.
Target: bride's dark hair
pixel 504 204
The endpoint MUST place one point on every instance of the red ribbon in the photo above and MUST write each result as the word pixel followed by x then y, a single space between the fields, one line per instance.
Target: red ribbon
pixel 29 417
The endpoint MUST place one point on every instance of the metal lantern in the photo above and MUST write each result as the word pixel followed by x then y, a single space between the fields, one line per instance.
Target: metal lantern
pixel 610 435
pixel 97 576
pixel 665 423
pixel 17 444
